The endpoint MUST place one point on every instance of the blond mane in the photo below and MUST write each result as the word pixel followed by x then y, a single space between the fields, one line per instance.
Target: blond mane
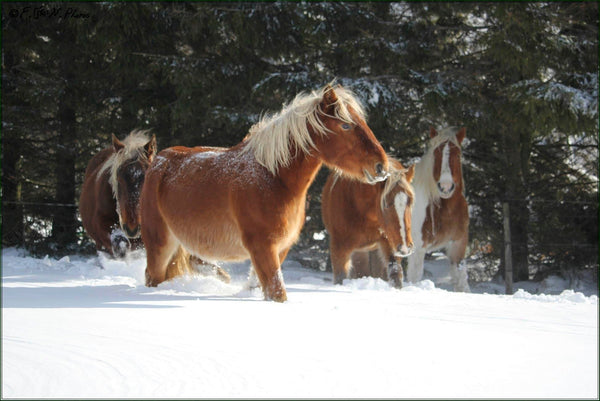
pixel 275 137
pixel 134 147
pixel 424 168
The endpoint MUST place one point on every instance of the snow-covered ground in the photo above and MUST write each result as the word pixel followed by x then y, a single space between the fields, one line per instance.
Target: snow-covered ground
pixel 87 327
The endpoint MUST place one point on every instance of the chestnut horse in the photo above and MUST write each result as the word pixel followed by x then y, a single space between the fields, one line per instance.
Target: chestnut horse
pixel 362 218
pixel 440 215
pixel 248 201
pixel 109 201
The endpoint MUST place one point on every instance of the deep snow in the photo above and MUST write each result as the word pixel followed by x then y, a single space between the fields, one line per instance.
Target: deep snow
pixel 71 329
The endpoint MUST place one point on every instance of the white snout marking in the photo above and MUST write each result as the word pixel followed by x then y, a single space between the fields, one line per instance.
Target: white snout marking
pixel 400 204
pixel 446 180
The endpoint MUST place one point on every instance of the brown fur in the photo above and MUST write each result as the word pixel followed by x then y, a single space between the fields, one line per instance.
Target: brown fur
pixel 224 204
pixel 97 202
pixel 359 220
pixel 446 223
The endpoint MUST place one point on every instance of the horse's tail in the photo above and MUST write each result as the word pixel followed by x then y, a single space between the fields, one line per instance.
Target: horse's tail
pixel 179 264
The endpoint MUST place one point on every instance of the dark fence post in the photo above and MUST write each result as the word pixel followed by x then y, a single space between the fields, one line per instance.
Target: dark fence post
pixel 508 268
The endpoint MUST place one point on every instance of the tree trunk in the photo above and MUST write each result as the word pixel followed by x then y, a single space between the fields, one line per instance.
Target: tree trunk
pixel 64 225
pixel 12 211
pixel 516 195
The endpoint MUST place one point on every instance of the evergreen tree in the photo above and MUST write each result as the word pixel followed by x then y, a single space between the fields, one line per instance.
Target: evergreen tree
pixel 522 77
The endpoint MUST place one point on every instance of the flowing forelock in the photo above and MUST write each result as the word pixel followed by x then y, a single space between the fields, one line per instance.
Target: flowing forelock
pixel 134 148
pixel 397 176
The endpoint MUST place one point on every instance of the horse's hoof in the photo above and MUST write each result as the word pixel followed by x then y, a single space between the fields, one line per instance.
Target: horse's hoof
pixel 396 284
pixel 460 287
pixel 223 275
pixel 278 298
pixel 278 295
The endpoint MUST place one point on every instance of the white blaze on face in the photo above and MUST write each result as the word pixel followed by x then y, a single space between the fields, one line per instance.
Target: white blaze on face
pixel 446 182
pixel 400 204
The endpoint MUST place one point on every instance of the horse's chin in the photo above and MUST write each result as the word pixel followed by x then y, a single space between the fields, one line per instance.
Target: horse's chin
pixel 375 179
pixel 446 195
pixel 403 255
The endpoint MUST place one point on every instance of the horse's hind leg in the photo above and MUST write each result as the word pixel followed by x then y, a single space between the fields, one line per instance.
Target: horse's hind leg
pixel 458 271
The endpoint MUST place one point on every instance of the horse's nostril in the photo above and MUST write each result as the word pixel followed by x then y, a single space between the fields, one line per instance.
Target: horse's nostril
pixel 379 168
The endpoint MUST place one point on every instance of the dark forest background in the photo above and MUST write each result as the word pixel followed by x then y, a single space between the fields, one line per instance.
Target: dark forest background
pixel 522 77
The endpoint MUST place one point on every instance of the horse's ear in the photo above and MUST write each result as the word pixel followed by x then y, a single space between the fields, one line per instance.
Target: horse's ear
pixel 329 99
pixel 460 135
pixel 150 148
pixel 117 145
pixel 410 173
pixel 432 132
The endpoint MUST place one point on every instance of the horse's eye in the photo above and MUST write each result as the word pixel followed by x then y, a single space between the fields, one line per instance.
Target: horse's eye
pixel 346 126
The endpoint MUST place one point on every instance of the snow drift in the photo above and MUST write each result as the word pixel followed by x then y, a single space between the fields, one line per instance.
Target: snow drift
pixel 87 327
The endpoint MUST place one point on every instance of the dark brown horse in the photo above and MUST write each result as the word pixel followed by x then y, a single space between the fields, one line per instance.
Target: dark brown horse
pixel 109 201
pixel 248 201
pixel 362 218
pixel 440 214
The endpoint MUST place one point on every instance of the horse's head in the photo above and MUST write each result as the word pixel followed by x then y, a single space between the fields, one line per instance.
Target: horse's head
pixel 396 203
pixel 349 145
pixel 447 171
pixel 127 177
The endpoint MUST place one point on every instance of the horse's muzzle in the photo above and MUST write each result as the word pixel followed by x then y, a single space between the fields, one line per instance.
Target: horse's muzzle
pixel 446 190
pixel 380 174
pixel 404 251
pixel 131 233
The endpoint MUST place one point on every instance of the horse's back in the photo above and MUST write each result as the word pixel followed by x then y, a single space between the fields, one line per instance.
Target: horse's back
pixel 187 194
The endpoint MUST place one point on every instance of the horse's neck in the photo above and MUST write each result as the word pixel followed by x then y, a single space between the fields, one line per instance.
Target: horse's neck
pixel 366 197
pixel 300 173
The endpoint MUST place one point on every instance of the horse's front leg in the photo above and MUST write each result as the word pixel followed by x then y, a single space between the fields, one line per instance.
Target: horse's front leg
pixel 395 275
pixel 340 262
pixel 458 270
pixel 360 264
pixel 414 272
pixel 265 261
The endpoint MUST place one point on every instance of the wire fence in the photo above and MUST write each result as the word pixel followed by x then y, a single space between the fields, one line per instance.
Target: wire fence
pixel 560 234
pixel 39 228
